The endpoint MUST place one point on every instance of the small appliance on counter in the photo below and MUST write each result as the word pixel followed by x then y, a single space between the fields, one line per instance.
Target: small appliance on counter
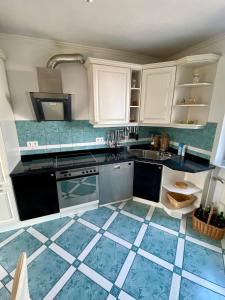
pixel 160 142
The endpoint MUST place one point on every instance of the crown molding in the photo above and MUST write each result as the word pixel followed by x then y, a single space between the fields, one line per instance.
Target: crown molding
pixel 199 46
pixel 65 47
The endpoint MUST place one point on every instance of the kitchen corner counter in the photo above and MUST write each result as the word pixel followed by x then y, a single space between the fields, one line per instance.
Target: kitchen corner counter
pixel 42 163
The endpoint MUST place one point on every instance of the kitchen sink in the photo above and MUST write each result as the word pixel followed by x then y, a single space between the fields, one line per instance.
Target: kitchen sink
pixel 150 154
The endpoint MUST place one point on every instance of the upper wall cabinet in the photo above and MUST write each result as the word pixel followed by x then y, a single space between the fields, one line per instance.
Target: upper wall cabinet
pixel 174 93
pixel 157 95
pixel 109 92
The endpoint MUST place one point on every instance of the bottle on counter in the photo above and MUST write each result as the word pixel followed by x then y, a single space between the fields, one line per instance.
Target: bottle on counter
pixel 180 146
pixel 183 150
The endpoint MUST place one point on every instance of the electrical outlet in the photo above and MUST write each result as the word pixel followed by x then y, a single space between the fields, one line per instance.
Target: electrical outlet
pixel 100 140
pixel 32 144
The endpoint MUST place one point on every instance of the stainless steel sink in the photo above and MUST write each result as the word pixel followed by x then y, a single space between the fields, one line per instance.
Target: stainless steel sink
pixel 150 154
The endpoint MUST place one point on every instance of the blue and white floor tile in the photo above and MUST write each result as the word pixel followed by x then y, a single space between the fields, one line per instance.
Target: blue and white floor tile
pixel 123 251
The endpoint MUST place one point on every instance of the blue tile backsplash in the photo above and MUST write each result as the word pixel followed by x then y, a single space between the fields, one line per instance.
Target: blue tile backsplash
pixel 62 133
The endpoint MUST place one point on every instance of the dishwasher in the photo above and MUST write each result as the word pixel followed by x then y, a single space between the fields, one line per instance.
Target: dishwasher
pixel 115 182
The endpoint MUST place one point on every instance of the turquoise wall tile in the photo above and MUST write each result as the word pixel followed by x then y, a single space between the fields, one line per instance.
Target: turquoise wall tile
pixel 62 132
pixel 200 138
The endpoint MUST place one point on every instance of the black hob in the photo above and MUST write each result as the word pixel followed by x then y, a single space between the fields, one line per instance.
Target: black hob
pixel 75 159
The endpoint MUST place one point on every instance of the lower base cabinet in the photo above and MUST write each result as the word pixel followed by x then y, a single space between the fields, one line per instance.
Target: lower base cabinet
pixel 147 180
pixel 6 212
pixel 36 195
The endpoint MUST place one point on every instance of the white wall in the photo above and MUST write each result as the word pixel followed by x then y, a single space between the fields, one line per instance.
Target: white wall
pixel 24 54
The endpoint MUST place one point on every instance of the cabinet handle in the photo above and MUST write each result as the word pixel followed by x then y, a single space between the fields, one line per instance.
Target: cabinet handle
pixel 52 175
pixel 116 167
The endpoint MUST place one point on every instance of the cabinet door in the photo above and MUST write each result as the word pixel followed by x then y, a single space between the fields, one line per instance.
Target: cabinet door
pixel 111 94
pixel 36 195
pixel 157 95
pixel 147 180
pixel 6 213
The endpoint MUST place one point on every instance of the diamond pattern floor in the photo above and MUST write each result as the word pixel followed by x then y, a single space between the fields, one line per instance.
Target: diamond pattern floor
pixel 123 251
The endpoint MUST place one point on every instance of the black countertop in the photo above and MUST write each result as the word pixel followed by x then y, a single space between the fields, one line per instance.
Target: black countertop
pixel 40 163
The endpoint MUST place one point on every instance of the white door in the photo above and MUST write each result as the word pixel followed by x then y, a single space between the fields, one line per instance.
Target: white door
pixel 157 95
pixel 111 94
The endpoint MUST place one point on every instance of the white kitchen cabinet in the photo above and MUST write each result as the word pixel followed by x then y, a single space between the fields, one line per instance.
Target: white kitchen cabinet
pixel 157 95
pixel 6 212
pixel 109 92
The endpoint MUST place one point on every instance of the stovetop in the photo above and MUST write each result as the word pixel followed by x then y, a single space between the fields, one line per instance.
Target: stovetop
pixel 75 159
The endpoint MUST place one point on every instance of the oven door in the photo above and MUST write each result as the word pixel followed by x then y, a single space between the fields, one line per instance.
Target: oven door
pixel 77 190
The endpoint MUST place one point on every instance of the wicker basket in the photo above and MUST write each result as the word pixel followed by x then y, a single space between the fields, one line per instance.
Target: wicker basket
pixel 180 200
pixel 207 229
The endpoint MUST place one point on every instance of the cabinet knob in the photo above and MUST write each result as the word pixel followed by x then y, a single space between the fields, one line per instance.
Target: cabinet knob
pixel 52 175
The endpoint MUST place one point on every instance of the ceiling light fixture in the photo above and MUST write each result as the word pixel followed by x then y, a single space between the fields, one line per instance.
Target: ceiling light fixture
pixel 89 1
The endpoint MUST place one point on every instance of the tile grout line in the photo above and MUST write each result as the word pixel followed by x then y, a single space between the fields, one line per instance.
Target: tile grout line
pixel 89 247
pixel 62 230
pixel 62 253
pixel 96 277
pixel 140 235
pixel 183 224
pixel 179 253
pixel 32 257
pixel 170 231
pixel 12 237
pixel 203 282
pixel 150 213
pixel 88 224
pixel 125 269
pixel 132 216
pixel 203 244
pixel 124 296
pixel 38 235
pixel 175 287
pixel 60 284
pixel 121 206
pixel 110 220
pixel 118 240
pixel 156 259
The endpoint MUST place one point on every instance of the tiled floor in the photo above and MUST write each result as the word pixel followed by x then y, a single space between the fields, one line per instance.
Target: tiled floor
pixel 127 251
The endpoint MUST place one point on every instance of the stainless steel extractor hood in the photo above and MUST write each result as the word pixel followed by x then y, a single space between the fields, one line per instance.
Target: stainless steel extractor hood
pixel 50 103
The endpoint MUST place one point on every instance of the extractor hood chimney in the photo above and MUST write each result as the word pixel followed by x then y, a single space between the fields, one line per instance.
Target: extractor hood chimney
pixel 50 103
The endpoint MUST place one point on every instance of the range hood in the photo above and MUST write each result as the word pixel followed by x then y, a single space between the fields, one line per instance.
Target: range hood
pixel 50 103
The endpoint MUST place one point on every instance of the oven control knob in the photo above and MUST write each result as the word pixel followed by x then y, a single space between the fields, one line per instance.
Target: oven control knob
pixel 86 172
pixel 83 172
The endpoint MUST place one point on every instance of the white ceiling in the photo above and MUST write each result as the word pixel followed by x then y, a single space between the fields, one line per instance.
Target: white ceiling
pixel 155 27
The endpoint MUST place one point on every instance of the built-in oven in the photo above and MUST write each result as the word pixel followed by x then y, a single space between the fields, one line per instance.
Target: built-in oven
pixel 77 187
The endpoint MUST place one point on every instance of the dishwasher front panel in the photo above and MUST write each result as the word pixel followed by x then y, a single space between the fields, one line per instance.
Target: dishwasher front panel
pixel 115 182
